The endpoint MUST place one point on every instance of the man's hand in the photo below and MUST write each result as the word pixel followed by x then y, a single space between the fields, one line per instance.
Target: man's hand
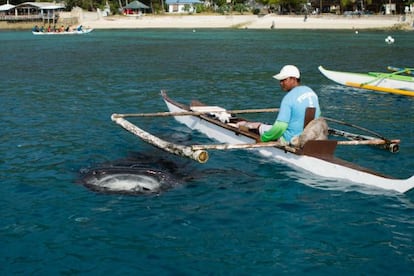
pixel 248 125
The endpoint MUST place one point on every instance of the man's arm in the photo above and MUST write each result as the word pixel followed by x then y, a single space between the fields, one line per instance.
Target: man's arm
pixel 274 133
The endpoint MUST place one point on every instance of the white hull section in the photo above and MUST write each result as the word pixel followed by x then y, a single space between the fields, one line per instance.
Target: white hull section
pixel 314 165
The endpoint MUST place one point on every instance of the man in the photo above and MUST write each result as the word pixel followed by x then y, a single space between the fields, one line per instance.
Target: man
pixel 290 120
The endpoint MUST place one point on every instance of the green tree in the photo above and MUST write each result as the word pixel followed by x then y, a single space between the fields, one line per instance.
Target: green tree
pixel 90 5
pixel 286 5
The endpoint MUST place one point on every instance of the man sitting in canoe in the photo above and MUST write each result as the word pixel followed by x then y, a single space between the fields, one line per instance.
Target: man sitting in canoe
pixel 289 123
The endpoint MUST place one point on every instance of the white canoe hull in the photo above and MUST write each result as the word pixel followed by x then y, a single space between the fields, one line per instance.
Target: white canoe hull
pixel 311 164
pixel 371 82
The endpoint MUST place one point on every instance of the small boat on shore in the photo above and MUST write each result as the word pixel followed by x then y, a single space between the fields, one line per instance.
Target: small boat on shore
pixel 395 82
pixel 74 32
pixel 316 156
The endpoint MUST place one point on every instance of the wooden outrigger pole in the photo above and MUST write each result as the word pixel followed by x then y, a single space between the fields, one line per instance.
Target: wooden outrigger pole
pixel 194 113
pixel 185 151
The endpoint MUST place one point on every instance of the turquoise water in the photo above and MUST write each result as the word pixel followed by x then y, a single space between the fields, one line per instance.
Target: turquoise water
pixel 239 213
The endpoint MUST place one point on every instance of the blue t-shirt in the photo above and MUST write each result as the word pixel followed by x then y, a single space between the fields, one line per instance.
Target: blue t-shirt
pixel 293 108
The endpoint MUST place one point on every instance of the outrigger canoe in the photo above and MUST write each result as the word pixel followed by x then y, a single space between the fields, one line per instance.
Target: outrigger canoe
pixel 74 32
pixel 316 156
pixel 395 82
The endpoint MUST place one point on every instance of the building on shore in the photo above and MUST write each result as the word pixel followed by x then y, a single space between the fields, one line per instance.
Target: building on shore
pixel 182 6
pixel 45 12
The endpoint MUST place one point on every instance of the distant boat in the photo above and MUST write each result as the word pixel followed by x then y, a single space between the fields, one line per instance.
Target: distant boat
pixel 395 82
pixel 73 32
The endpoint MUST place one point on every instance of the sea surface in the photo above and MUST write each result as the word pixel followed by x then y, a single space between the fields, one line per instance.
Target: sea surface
pixel 238 214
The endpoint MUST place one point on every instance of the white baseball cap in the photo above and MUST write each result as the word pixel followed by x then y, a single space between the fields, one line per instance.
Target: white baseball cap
pixel 288 71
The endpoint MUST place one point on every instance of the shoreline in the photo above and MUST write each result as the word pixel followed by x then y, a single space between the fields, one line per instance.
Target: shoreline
pixel 246 22
pixel 200 21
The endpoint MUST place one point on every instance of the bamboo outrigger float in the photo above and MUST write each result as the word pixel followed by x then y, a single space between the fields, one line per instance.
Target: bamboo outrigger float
pixel 316 156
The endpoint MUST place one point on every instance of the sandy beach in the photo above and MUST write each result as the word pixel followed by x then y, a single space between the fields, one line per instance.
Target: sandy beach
pixel 93 20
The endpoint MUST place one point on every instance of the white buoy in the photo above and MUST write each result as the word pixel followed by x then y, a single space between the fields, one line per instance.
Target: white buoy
pixel 389 40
